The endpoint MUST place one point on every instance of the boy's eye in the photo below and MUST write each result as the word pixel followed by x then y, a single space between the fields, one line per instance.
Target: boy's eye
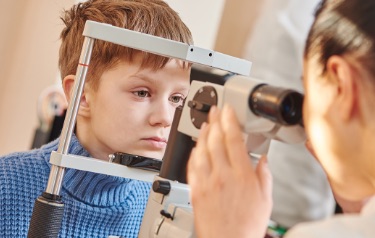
pixel 142 93
pixel 178 99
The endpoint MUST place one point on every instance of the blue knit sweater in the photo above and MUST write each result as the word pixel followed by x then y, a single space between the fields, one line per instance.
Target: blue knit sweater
pixel 96 205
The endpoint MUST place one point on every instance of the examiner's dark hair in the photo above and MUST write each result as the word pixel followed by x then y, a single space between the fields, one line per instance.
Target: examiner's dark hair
pixel 343 27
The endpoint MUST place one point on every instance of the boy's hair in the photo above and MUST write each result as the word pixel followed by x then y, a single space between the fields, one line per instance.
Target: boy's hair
pixel 153 17
pixel 343 27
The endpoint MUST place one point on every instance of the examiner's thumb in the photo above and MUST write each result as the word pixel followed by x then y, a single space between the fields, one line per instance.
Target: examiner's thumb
pixel 265 177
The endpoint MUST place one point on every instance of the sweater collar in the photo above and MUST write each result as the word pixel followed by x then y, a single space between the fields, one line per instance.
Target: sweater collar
pixel 92 188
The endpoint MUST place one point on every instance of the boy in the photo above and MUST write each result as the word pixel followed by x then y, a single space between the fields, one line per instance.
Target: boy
pixel 127 105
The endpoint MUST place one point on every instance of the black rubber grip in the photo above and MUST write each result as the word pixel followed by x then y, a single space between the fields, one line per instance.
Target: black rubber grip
pixel 46 218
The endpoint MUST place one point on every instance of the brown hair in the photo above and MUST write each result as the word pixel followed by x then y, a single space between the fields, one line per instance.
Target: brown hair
pixel 153 17
pixel 343 27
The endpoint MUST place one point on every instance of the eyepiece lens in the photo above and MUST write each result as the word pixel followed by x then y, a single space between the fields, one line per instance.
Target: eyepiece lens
pixel 287 107
pixel 280 105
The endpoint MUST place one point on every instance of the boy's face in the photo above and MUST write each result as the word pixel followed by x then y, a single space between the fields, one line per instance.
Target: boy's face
pixel 132 110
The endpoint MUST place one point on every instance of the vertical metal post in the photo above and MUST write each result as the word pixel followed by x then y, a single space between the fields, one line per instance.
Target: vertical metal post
pixel 48 209
pixel 57 173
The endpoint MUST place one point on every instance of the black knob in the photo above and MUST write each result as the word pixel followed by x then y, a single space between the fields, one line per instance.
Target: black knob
pixel 161 186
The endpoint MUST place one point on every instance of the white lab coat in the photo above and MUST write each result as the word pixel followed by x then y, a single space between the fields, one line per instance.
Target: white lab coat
pixel 275 47
pixel 343 226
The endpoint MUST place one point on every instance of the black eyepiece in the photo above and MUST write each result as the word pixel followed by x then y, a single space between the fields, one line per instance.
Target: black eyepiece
pixel 280 105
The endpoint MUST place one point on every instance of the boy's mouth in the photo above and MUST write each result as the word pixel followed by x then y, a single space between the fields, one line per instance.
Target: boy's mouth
pixel 156 142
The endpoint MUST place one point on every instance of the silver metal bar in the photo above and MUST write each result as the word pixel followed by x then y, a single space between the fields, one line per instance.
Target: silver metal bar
pixel 101 166
pixel 135 40
pixel 166 47
pixel 57 172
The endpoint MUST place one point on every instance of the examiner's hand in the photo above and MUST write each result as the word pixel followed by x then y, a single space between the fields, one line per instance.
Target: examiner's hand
pixel 230 198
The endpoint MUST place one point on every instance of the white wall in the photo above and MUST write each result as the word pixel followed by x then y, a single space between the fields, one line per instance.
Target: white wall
pixel 28 63
pixel 202 17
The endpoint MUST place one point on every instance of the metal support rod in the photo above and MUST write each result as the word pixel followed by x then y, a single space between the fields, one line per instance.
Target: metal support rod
pixel 57 172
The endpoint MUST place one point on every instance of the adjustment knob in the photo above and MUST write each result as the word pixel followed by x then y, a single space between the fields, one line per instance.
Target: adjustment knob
pixel 161 186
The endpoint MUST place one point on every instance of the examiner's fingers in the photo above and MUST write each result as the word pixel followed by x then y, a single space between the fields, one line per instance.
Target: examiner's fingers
pixel 216 147
pixel 213 115
pixel 264 176
pixel 192 171
pixel 234 142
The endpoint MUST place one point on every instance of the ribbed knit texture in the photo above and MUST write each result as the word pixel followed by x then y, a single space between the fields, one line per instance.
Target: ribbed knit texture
pixel 96 205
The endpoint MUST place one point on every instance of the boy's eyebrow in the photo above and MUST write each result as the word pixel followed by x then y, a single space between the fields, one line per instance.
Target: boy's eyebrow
pixel 146 78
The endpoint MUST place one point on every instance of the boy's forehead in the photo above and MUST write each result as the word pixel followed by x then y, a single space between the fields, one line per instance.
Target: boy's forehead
pixel 152 62
pixel 174 69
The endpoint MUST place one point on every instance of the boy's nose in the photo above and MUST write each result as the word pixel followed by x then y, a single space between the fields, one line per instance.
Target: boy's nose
pixel 162 114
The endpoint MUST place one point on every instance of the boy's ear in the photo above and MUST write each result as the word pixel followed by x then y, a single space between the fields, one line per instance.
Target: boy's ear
pixel 343 77
pixel 68 85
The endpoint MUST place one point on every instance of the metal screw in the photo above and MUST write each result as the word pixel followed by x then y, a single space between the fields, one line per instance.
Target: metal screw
pixel 111 157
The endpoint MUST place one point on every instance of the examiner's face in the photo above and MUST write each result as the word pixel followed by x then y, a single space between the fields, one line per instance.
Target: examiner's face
pixel 316 109
pixel 338 117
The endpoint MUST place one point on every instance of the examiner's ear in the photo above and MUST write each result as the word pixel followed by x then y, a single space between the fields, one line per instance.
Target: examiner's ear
pixel 68 84
pixel 343 76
